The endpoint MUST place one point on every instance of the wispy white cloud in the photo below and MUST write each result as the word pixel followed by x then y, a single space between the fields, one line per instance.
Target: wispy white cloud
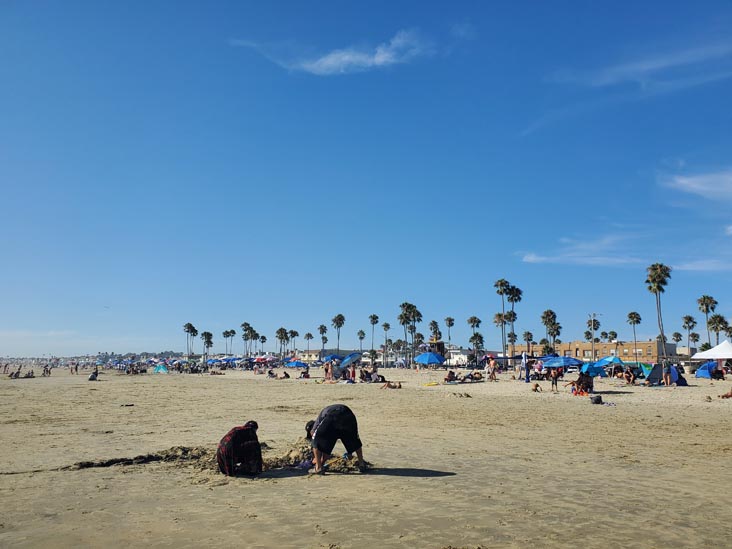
pixel 403 47
pixel 640 79
pixel 713 186
pixel 705 265
pixel 608 251
pixel 644 70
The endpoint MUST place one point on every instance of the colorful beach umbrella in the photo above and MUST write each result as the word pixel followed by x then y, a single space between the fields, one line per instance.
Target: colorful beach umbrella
pixel 562 362
pixel 353 357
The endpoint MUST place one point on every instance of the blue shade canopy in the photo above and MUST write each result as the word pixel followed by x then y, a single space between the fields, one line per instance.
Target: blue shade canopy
pixel 594 370
pixel 332 357
pixel 296 364
pixel 562 362
pixel 353 357
pixel 609 360
pixel 429 358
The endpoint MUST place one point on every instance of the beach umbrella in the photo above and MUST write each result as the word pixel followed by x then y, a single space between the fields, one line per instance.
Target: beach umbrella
pixel 609 360
pixel 328 358
pixel 353 357
pixel 296 364
pixel 562 362
pixel 429 358
pixel 593 370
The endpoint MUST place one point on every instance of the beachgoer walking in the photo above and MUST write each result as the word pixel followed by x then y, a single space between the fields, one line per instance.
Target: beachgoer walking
pixel 526 367
pixel 335 422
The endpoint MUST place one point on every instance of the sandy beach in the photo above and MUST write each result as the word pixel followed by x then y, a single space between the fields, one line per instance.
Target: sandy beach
pixel 485 464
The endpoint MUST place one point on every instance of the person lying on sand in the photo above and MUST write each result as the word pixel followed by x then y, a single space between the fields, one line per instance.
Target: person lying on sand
pixel 392 385
pixel 334 422
pixel 728 394
pixel 283 375
pixel 450 377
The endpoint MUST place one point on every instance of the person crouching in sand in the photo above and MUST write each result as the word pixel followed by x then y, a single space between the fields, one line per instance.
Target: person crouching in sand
pixel 335 422
pixel 239 452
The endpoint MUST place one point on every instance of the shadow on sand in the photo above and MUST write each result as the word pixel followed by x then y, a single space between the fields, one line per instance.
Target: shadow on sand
pixel 408 472
pixel 612 392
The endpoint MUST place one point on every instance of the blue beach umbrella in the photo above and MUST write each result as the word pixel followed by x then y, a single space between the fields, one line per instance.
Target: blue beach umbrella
pixel 296 364
pixel 609 360
pixel 562 362
pixel 328 358
pixel 429 358
pixel 353 357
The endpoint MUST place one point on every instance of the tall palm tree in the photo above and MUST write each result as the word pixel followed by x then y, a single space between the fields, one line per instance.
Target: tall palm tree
pixel 449 322
pixel 676 337
pixel 262 341
pixel 191 333
pixel 656 281
pixel 513 296
pixel 634 319
pixel 207 338
pixel 225 335
pixel 373 320
pixel 361 336
pixel 717 323
pixel 693 338
pixel 528 337
pixel 477 341
pixel 434 329
pixel 294 334
pixel 412 316
pixel 588 335
pixel 612 335
pixel 308 337
pixel 474 322
pixel 554 330
pixel 688 324
pixel 707 304
pixel 282 336
pixel 502 287
pixel 403 320
pixel 386 327
pixel 322 330
pixel 548 318
pixel 499 319
pixel 603 336
pixel 338 321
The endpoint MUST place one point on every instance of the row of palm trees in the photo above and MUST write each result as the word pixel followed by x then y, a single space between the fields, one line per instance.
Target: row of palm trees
pixel 657 278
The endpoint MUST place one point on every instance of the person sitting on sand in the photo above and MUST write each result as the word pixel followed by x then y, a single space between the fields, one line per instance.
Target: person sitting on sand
pixel 93 376
pixel 334 422
pixel 450 377
pixel 283 375
pixel 477 376
pixel 392 385
pixel 239 452
pixel 629 376
pixel 305 374
pixel 271 374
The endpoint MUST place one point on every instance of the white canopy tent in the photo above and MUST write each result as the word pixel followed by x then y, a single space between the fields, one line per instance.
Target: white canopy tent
pixel 723 351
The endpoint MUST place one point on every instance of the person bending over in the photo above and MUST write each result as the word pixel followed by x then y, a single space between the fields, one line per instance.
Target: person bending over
pixel 239 452
pixel 334 422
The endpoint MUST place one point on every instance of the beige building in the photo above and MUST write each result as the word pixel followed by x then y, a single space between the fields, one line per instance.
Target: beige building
pixel 645 351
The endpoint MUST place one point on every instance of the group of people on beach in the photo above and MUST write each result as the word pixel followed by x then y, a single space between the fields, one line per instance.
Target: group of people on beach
pixel 240 453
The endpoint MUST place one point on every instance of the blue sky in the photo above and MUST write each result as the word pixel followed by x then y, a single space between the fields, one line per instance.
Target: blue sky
pixel 279 163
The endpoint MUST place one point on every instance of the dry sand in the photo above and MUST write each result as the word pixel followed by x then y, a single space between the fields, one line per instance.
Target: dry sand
pixel 503 468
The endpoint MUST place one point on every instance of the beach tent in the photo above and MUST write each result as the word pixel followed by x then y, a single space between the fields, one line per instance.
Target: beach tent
pixel 706 369
pixel 723 351
pixel 593 370
pixel 655 375
pixel 612 359
pixel 160 369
